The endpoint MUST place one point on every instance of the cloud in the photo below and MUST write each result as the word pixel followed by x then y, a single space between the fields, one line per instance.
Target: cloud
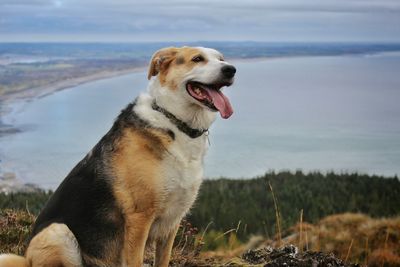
pixel 29 3
pixel 207 19
pixel 284 5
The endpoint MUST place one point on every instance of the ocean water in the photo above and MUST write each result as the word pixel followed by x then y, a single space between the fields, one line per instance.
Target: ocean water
pixel 338 113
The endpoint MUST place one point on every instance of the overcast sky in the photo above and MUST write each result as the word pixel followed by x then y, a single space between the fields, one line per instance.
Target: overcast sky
pixel 193 20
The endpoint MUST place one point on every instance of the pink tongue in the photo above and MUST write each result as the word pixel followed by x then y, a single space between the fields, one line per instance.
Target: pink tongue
pixel 221 102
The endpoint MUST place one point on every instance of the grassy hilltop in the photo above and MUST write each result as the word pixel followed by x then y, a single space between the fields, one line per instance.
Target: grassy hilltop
pixel 357 217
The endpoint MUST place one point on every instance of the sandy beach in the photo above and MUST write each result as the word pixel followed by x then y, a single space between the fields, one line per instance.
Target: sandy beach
pixel 31 93
pixel 7 100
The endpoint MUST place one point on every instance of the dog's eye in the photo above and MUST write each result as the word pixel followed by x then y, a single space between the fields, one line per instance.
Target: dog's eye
pixel 198 58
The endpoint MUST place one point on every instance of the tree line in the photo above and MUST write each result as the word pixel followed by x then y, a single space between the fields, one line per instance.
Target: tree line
pixel 226 203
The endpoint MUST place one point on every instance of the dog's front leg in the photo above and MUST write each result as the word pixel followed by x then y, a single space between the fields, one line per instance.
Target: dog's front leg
pixel 163 249
pixel 137 227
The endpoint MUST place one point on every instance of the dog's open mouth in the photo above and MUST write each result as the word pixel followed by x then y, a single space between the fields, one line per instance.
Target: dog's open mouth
pixel 211 96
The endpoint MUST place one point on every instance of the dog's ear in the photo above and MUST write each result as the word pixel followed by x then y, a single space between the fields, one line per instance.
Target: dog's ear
pixel 161 60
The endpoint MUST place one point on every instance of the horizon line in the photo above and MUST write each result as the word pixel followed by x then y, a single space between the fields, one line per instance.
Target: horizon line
pixel 200 41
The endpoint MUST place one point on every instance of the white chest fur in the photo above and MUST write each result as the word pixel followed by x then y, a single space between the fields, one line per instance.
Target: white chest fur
pixel 181 170
pixel 182 173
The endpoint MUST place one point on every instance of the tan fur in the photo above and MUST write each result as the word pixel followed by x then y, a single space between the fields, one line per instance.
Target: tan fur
pixel 188 53
pixel 10 260
pixel 135 165
pixel 166 63
pixel 137 227
pixel 164 248
pixel 161 60
pixel 55 246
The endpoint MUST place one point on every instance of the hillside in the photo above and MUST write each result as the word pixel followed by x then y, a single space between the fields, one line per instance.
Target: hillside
pixel 318 195
pixel 226 202
pixel 337 240
pixel 234 216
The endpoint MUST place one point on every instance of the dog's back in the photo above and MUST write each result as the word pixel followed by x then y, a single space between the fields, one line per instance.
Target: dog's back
pixel 86 203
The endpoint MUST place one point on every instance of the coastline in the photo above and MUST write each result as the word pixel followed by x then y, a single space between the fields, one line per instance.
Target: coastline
pixel 43 91
pixel 9 182
pixel 37 92
pixel 29 94
pixel 9 102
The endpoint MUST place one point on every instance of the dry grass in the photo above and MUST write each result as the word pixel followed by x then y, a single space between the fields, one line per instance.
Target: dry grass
pixel 353 237
pixel 277 215
pixel 384 257
pixel 15 227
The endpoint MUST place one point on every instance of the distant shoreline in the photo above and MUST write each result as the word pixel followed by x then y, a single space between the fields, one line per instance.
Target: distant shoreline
pixel 8 181
pixel 7 101
pixel 42 91
pixel 25 95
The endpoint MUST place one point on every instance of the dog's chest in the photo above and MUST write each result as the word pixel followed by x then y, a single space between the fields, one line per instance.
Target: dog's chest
pixel 182 171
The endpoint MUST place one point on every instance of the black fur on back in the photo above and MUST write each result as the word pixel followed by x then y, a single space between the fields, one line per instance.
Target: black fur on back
pixel 84 201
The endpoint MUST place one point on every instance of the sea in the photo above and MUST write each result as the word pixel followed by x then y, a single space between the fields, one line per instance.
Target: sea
pixel 317 113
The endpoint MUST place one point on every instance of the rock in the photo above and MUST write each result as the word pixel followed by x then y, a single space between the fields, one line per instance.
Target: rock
pixel 10 184
pixel 290 257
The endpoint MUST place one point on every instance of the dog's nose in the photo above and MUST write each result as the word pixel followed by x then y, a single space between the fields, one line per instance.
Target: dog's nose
pixel 228 71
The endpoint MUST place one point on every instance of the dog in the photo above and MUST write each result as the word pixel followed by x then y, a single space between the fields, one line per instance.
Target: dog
pixel 138 182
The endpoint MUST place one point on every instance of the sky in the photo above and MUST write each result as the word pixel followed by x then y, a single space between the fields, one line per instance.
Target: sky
pixel 200 20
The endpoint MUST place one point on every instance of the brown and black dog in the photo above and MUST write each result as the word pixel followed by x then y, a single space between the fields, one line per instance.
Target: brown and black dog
pixel 136 184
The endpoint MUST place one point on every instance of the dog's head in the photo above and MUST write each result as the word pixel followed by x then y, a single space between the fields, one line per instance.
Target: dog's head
pixel 195 75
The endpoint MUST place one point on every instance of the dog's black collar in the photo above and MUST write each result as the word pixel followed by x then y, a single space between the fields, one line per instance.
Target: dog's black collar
pixel 182 126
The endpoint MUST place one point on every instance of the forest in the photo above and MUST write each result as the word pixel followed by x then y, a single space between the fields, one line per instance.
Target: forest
pixel 225 203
